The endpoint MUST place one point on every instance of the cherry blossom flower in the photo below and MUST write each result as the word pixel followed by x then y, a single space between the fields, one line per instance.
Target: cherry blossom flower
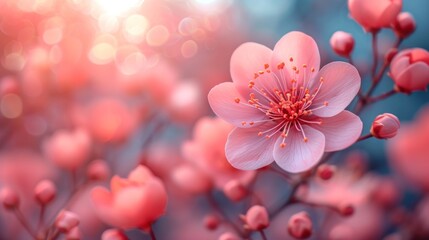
pixel 283 107
pixel 134 202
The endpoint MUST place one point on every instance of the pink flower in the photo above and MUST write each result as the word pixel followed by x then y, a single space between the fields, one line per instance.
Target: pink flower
pixel 300 225
pixel 342 43
pixel 385 126
pixel 283 108
pixel 410 70
pixel 57 148
pixel 256 218
pixel 135 202
pixel 373 15
pixel 206 151
pixel 404 24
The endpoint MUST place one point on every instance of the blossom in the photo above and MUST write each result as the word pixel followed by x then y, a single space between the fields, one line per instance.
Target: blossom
pixel 134 202
pixel 404 24
pixel 385 126
pixel 373 15
pixel 206 151
pixel 342 43
pixel 256 218
pixel 410 70
pixel 300 225
pixel 283 107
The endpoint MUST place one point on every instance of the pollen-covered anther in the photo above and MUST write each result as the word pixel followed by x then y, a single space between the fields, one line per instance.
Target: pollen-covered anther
pixel 325 103
pixel 251 123
pixel 304 65
pixel 266 65
pixel 243 123
pixel 291 59
pixel 261 72
pixel 321 79
pixel 281 65
pixel 312 69
pixel 282 145
pixel 305 139
pixel 237 100
pixel 255 76
pixel 260 133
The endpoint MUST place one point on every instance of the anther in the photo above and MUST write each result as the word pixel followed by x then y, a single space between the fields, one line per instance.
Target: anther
pixel 266 66
pixel 251 123
pixel 259 133
pixel 255 76
pixel 325 103
pixel 281 65
pixel 291 59
pixel 237 100
pixel 304 65
pixel 282 145
pixel 312 69
pixel 305 139
pixel 243 123
pixel 261 72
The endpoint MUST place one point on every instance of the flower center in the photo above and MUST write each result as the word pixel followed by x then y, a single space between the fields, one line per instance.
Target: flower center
pixel 287 106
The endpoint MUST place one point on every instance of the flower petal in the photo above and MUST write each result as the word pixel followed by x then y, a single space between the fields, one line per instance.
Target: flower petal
pixel 303 50
pixel 222 101
pixel 340 131
pixel 246 150
pixel 248 59
pixel 341 83
pixel 297 155
pixel 414 77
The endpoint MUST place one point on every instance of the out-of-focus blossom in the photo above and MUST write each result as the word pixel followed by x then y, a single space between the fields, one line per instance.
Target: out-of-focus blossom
pixel 256 218
pixel 45 192
pixel 373 15
pixel 300 225
pixel 66 221
pixel 9 198
pixel 74 234
pixel 229 236
pixel 207 152
pixel 135 202
pixel 404 24
pixel 325 171
pixel 191 179
pixel 185 103
pixel 409 153
pixel 385 126
pixel 235 190
pixel 342 43
pixel 410 70
pixel 211 222
pixel 98 170
pixel 283 107
pixel 113 234
pixel 68 149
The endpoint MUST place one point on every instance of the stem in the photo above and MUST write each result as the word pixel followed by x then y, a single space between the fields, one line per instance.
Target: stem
pixel 382 96
pixel 264 237
pixel 374 52
pixel 24 223
pixel 41 217
pixel 152 233
pixel 369 135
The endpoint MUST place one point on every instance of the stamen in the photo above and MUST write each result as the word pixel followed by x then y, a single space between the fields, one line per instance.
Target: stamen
pixel 237 100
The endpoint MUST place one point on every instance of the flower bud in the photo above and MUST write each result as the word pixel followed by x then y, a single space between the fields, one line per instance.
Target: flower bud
pixel 342 43
pixel 66 221
pixel 326 171
pixel 235 190
pixel 191 179
pixel 257 218
pixel 9 198
pixel 45 191
pixel 385 126
pixel 74 234
pixel 346 209
pixel 113 234
pixel 98 170
pixel 229 236
pixel 404 25
pixel 386 194
pixel 211 222
pixel 409 70
pixel 300 225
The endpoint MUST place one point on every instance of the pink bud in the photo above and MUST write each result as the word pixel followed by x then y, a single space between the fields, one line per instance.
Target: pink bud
pixel 211 222
pixel 98 170
pixel 191 179
pixel 229 236
pixel 342 43
pixel 66 221
pixel 113 234
pixel 346 209
pixel 235 190
pixel 326 171
pixel 300 225
pixel 409 70
pixel 45 192
pixel 257 218
pixel 404 25
pixel 9 198
pixel 385 126
pixel 373 15
pixel 74 234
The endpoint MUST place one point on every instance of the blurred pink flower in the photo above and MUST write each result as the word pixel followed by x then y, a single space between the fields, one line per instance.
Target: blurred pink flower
pixel 410 70
pixel 135 202
pixel 207 152
pixel 373 15
pixel 283 108
pixel 409 153
pixel 58 148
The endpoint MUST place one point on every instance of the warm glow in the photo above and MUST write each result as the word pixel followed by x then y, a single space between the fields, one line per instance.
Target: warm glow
pixel 118 7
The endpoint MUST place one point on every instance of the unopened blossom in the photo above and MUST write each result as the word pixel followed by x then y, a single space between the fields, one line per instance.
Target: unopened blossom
pixel 66 221
pixel 68 149
pixel 385 126
pixel 373 15
pixel 256 218
pixel 98 170
pixel 342 43
pixel 300 225
pixel 404 24
pixel 134 202
pixel 325 171
pixel 211 222
pixel 410 70
pixel 45 191
pixel 285 109
pixel 235 190
pixel 9 198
